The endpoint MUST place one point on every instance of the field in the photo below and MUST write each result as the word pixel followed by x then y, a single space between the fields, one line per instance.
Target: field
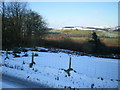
pixel 110 38
pixel 51 66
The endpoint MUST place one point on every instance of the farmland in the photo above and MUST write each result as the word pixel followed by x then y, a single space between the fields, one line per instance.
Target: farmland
pixel 110 38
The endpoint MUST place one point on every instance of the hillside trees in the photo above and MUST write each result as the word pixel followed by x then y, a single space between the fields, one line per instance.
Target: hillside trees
pixel 20 25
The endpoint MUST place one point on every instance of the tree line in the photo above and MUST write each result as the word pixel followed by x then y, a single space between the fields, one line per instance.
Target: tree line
pixel 21 26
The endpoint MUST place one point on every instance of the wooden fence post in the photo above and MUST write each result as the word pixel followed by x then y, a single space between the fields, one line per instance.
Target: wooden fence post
pixel 6 55
pixel 70 63
pixel 31 64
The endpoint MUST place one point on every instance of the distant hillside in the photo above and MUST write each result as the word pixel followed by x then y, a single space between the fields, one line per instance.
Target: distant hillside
pixel 116 28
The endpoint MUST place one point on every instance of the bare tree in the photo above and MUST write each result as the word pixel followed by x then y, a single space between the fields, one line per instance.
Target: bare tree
pixel 16 11
pixel 12 13
pixel 21 25
pixel 35 26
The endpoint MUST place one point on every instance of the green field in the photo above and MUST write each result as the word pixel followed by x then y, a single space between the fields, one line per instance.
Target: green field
pixel 109 38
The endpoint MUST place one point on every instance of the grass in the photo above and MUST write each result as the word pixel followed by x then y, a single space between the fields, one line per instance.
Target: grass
pixel 83 35
pixel 116 32
pixel 110 41
pixel 85 47
pixel 84 32
pixel 78 38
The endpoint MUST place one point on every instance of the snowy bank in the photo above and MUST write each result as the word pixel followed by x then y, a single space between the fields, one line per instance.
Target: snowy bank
pixel 49 69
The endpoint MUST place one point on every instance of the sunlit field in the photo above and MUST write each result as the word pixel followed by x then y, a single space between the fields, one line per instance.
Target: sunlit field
pixel 110 38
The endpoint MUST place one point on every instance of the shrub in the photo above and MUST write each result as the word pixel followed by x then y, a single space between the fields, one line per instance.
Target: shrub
pixel 24 50
pixel 17 50
pixel 25 55
pixel 34 49
pixel 42 50
pixel 36 54
pixel 15 55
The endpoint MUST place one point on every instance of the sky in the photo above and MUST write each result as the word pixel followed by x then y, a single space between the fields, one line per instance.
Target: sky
pixel 60 14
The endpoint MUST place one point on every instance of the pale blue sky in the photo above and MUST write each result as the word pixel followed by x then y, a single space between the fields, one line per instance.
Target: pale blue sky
pixel 60 14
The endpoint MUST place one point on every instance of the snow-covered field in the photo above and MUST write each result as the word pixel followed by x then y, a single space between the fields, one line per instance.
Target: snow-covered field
pixel 49 69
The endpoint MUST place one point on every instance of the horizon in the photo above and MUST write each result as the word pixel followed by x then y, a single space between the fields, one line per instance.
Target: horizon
pixel 60 14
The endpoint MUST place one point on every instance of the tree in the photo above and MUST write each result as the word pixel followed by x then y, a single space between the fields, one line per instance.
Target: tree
pixel 35 26
pixel 96 44
pixel 17 10
pixel 20 24
pixel 12 13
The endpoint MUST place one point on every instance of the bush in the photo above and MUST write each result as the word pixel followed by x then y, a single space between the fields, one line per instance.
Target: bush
pixel 17 50
pixel 34 49
pixel 36 54
pixel 15 55
pixel 25 55
pixel 42 50
pixel 24 50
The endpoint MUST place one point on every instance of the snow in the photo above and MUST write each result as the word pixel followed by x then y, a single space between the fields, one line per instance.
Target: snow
pixel 91 72
pixel 9 85
pixel 0 83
